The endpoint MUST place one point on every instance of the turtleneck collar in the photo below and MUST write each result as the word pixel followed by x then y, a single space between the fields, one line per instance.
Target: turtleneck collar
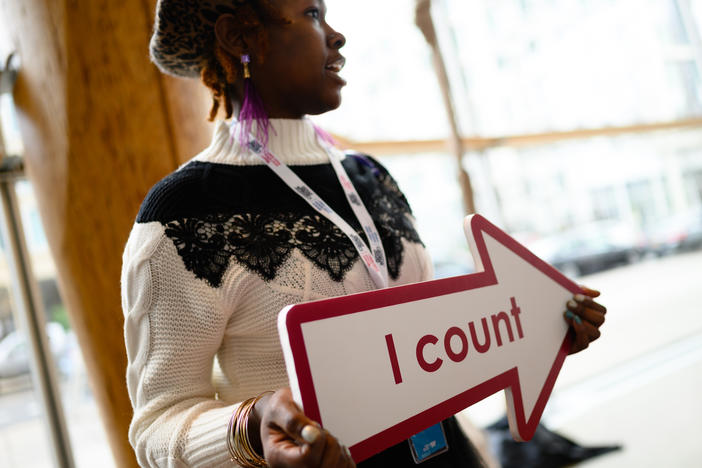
pixel 293 141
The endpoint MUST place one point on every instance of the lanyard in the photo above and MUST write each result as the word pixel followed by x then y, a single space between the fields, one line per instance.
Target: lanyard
pixel 373 257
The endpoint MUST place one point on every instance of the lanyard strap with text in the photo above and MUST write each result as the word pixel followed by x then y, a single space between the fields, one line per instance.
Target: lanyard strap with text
pixel 374 257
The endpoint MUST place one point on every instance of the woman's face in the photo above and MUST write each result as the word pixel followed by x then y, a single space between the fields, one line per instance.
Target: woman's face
pixel 299 74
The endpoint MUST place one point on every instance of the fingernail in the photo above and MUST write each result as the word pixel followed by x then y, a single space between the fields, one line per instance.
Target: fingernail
pixel 579 297
pixel 310 434
pixel 572 304
pixel 569 314
pixel 578 320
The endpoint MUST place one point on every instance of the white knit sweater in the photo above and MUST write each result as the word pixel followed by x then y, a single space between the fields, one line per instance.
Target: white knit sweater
pixel 200 342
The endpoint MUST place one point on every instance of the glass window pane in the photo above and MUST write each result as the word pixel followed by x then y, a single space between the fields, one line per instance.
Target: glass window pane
pixel 435 198
pixel 87 436
pixel 24 440
pixel 633 194
pixel 544 65
pixel 9 127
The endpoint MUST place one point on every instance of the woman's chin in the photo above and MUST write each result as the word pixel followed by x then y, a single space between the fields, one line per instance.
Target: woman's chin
pixel 330 103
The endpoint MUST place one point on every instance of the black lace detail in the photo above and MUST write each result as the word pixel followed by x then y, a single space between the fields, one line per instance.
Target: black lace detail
pixel 259 242
pixel 202 248
pixel 326 245
pixel 261 238
pixel 390 212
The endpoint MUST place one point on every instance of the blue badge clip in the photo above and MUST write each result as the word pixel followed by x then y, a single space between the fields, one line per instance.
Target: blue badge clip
pixel 428 443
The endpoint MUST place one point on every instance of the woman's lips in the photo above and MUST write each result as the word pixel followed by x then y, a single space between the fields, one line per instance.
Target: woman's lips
pixel 334 67
pixel 336 64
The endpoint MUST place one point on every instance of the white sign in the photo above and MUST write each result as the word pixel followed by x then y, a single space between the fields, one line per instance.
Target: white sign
pixel 378 367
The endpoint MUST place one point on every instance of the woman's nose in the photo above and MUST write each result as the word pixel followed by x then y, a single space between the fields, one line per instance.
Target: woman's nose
pixel 336 40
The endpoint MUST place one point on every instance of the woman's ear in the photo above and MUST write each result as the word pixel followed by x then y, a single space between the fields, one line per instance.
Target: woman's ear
pixel 229 36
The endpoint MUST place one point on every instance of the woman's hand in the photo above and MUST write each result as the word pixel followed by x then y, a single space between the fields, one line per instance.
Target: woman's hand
pixel 290 439
pixel 585 316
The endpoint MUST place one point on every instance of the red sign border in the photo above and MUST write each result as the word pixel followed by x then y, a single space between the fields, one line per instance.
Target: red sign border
pixel 328 308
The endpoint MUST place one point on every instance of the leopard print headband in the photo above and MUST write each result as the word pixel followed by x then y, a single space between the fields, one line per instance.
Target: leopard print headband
pixel 184 33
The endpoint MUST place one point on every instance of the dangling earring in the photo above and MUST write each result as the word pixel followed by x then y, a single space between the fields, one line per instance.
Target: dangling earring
pixel 245 60
pixel 252 109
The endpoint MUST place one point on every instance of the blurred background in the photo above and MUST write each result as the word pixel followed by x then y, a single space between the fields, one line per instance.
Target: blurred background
pixel 579 124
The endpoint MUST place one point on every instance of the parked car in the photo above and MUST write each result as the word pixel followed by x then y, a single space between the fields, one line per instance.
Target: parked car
pixel 14 350
pixel 693 239
pixel 590 248
pixel 681 231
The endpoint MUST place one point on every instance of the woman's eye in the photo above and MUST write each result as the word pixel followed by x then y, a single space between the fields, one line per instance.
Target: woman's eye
pixel 313 12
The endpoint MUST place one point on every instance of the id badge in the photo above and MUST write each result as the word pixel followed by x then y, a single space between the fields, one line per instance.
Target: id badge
pixel 428 443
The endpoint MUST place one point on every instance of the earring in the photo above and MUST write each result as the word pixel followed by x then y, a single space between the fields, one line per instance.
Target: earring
pixel 252 110
pixel 245 60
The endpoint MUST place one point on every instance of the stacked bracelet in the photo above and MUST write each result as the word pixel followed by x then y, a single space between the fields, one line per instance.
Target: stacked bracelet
pixel 238 442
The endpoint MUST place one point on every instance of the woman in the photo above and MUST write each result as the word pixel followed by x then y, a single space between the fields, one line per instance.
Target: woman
pixel 224 243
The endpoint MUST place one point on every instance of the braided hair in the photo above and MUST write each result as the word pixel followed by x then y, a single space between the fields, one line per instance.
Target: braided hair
pixel 220 69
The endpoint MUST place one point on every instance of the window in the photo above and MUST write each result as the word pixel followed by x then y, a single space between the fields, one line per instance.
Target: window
pixel 531 75
pixel 694 187
pixel 581 120
pixel 24 425
pixel 605 204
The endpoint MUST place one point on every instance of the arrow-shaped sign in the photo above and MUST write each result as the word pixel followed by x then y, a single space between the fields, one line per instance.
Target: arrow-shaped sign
pixel 377 367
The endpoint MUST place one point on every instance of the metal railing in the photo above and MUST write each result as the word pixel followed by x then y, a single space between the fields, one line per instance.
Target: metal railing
pixel 28 308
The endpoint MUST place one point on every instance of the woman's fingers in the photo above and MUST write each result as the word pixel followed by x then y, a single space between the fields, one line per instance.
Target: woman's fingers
pixel 582 335
pixel 591 312
pixel 585 332
pixel 284 414
pixel 336 455
pixel 326 451
pixel 585 316
pixel 291 439
pixel 588 302
pixel 589 292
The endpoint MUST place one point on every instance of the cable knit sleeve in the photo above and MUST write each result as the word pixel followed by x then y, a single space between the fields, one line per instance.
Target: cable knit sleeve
pixel 173 329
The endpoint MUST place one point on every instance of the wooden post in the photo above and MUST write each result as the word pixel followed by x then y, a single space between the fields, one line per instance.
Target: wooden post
pixel 425 23
pixel 100 126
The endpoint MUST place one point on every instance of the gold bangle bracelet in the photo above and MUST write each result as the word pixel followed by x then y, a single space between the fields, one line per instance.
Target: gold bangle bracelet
pixel 235 438
pixel 238 442
pixel 231 431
